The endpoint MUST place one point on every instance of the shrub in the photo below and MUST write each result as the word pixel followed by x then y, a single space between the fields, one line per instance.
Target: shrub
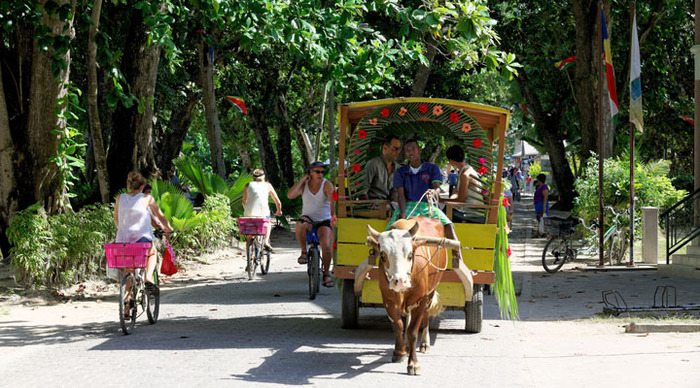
pixel 61 249
pixel 651 185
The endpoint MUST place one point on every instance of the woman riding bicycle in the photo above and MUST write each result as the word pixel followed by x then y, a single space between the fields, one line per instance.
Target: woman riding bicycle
pixel 134 214
pixel 255 201
pixel 316 193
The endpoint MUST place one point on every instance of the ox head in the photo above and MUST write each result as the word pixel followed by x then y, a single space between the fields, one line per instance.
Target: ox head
pixel 395 248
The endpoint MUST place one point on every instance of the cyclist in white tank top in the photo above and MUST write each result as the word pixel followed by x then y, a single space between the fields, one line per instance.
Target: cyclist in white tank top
pixel 133 213
pixel 316 193
pixel 255 200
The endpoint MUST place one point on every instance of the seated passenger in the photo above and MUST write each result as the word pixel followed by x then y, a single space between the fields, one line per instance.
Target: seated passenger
pixel 379 171
pixel 412 181
pixel 469 187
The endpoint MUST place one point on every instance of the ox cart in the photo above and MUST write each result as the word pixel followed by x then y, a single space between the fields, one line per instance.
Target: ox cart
pixel 479 130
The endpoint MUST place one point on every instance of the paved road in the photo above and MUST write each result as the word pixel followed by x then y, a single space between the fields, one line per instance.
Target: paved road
pixel 219 329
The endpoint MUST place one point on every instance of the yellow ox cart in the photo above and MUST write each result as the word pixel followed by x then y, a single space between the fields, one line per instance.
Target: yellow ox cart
pixel 480 130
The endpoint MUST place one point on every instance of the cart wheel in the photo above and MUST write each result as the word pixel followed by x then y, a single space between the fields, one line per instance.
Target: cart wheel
pixel 351 305
pixel 474 311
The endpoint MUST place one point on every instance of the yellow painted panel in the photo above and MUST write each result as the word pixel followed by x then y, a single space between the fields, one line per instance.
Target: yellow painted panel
pixel 481 259
pixel 451 294
pixel 371 292
pixel 476 235
pixel 351 254
pixel 355 229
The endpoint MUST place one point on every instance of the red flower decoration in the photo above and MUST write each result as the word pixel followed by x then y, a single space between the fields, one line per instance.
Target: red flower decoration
pixel 403 111
pixel 357 183
pixel 506 202
pixel 476 143
pixel 357 152
pixel 482 160
pixel 361 134
pixel 372 121
pixel 437 110
pixel 384 113
pixel 482 170
pixel 423 108
pixel 454 117
pixel 335 195
pixel 509 251
pixel 356 168
pixel 335 245
pixel 466 127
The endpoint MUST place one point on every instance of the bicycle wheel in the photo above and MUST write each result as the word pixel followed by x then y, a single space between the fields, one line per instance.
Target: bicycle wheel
pixel 127 287
pixel 153 301
pixel 251 252
pixel 264 261
pixel 554 254
pixel 314 271
pixel 618 248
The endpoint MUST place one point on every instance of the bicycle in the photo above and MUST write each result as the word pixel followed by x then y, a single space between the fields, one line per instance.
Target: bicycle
pixel 255 229
pixel 133 297
pixel 563 246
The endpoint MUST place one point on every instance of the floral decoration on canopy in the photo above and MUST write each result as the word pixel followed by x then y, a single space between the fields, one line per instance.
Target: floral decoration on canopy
pixel 437 110
pixel 361 134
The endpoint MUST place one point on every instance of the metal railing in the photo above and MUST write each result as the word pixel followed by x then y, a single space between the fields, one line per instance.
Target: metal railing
pixel 680 223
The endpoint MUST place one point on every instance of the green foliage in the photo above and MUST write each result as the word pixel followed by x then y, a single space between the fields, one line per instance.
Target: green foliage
pixel 214 228
pixel 504 288
pixel 70 151
pixel 535 169
pixel 61 249
pixel 652 187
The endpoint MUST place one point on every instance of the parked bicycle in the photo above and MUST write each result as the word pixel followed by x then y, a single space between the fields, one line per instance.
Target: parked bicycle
pixel 255 229
pixel 130 259
pixel 565 245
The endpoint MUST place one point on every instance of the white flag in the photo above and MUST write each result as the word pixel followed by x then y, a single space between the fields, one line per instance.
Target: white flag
pixel 636 116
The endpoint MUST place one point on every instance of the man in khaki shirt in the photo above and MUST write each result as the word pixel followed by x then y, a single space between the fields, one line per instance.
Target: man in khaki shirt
pixel 380 170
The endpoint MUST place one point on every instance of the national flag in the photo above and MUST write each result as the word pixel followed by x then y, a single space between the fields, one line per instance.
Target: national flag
pixel 609 71
pixel 565 63
pixel 239 103
pixel 636 115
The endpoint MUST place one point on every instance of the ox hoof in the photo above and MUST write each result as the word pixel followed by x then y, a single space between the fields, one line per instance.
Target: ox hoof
pixel 424 348
pixel 398 357
pixel 413 370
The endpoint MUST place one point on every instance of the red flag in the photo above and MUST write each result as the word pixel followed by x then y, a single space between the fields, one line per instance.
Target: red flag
pixel 239 103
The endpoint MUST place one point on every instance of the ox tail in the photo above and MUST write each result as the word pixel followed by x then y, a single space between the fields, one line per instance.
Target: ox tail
pixel 436 307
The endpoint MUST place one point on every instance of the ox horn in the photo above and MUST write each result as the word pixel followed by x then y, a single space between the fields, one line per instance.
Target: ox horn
pixel 373 235
pixel 447 242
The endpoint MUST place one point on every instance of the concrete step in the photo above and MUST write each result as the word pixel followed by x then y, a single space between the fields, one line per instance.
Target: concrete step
pixel 693 250
pixel 686 259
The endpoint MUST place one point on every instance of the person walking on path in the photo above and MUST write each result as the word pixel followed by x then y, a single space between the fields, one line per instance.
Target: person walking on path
pixel 541 200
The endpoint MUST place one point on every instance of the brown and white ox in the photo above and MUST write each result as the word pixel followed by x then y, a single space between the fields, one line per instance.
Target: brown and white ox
pixel 412 258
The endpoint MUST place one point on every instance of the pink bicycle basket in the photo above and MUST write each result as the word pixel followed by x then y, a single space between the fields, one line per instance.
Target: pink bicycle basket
pixel 253 225
pixel 127 255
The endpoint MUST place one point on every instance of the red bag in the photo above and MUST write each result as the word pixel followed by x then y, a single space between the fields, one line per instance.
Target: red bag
pixel 168 267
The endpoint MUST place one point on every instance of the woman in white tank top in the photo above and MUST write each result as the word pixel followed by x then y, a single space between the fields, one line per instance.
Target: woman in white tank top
pixel 134 213
pixel 316 193
pixel 255 200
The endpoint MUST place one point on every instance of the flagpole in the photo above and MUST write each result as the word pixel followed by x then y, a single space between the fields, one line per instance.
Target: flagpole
pixel 601 95
pixel 633 7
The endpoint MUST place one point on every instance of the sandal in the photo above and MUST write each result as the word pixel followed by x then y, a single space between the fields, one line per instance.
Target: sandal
pixel 128 305
pixel 328 281
pixel 302 259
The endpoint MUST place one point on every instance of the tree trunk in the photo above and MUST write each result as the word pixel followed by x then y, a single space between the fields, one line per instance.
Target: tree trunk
pixel 547 125
pixel 304 145
pixel 423 73
pixel 588 64
pixel 46 89
pixel 179 124
pixel 206 79
pixel 284 142
pixel 131 145
pixel 8 184
pixel 258 118
pixel 98 144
